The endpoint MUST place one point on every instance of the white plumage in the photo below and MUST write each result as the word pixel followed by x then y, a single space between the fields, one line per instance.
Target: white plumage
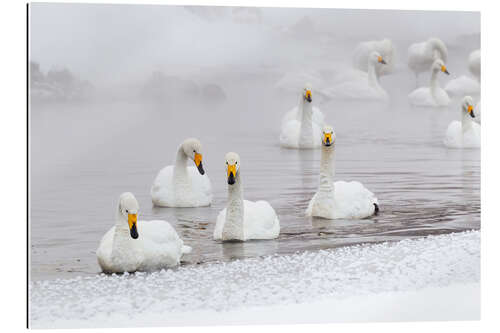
pixel 434 95
pixel 475 64
pixel 465 133
pixel 338 200
pixel 422 55
pixel 300 129
pixel 242 219
pixel 465 85
pixel 180 185
pixel 384 47
pixel 140 245
pixel 358 85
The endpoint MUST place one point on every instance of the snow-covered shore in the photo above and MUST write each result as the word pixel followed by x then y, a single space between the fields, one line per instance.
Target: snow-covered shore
pixel 432 278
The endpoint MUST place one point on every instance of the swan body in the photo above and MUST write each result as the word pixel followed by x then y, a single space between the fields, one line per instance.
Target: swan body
pixel 465 133
pixel 362 86
pixel 475 64
pixel 132 245
pixel 384 47
pixel 422 55
pixel 181 185
pixel 462 86
pixel 242 219
pixel 340 199
pixel 434 95
pixel 303 133
pixel 296 114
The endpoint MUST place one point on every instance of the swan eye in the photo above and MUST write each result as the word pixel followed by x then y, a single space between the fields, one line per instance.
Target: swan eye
pixel 227 163
pixel 236 162
pixel 126 211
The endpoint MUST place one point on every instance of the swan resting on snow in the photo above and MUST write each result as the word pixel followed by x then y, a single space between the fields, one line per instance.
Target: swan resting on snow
pixel 132 245
pixel 464 85
pixel 384 47
pixel 422 55
pixel 339 200
pixel 243 220
pixel 182 186
pixel 434 95
pixel 303 132
pixel 465 133
pixel 365 86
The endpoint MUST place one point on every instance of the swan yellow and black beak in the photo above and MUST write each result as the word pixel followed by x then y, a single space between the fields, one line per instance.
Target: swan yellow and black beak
pixel 381 60
pixel 327 139
pixel 132 224
pixel 470 109
pixel 231 174
pixel 198 161
pixel 308 96
pixel 444 70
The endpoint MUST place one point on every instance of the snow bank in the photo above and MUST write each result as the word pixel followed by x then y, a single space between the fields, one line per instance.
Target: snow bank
pixel 387 281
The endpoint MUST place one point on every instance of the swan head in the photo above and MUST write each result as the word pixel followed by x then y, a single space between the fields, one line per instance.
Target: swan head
pixel 192 149
pixel 128 208
pixel 232 167
pixel 376 58
pixel 307 92
pixel 439 66
pixel 328 136
pixel 468 106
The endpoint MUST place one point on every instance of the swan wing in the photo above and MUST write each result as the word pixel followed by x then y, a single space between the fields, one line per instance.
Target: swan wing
pixel 353 200
pixel 260 220
pixel 290 133
pixel 463 86
pixel 421 97
pixel 219 224
pixel 161 191
pixel 104 250
pixel 161 243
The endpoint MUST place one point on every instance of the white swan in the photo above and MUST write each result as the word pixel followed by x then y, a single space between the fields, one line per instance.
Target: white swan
pixel 242 219
pixel 182 186
pixel 422 55
pixel 302 133
pixel 339 200
pixel 296 112
pixel 434 95
pixel 465 133
pixel 132 245
pixel 365 87
pixel 384 47
pixel 465 85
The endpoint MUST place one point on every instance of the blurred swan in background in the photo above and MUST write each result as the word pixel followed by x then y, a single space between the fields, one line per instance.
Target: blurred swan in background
pixel 182 186
pixel 242 219
pixel 465 133
pixel 338 200
pixel 422 55
pixel 433 95
pixel 132 245
pixel 303 132
pixel 465 85
pixel 364 49
pixel 362 86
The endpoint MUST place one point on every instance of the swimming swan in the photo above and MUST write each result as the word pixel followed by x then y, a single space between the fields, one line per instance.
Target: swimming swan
pixel 182 186
pixel 365 87
pixel 434 95
pixel 465 133
pixel 296 112
pixel 242 219
pixel 339 200
pixel 422 55
pixel 302 133
pixel 132 245
pixel 384 47
pixel 475 64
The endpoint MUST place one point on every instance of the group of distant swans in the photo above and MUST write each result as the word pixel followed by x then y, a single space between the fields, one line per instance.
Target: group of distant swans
pixel 136 245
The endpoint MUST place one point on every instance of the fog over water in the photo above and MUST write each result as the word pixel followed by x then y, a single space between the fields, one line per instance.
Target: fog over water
pixel 119 87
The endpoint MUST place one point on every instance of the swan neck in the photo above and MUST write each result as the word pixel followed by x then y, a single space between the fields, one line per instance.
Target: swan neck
pixel 234 228
pixel 372 75
pixel 306 126
pixel 180 167
pixel 466 121
pixel 434 82
pixel 327 168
